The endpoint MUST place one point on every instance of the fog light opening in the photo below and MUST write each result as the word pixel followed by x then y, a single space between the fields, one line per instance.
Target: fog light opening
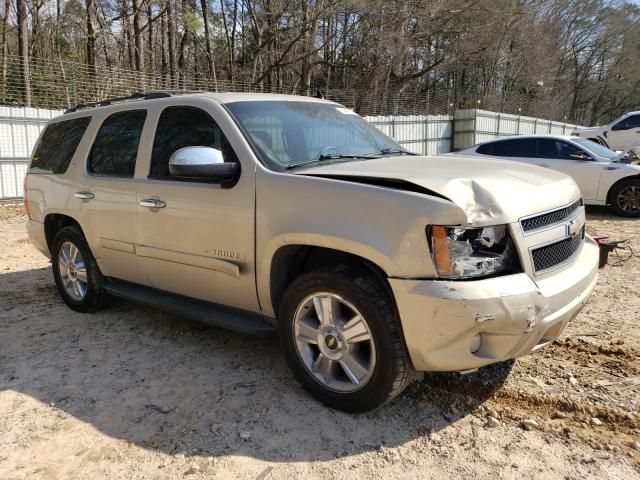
pixel 476 342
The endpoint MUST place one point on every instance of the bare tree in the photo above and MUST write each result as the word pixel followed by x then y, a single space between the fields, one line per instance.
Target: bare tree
pixel 23 50
pixel 211 66
pixel 91 38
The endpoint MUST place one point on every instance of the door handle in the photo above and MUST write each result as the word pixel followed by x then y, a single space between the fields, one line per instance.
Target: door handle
pixel 84 195
pixel 152 203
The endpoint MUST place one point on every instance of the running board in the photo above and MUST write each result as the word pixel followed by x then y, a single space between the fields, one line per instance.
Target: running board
pixel 210 313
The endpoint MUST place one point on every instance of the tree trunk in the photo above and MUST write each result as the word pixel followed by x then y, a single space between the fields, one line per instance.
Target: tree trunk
pixel 5 47
pixel 164 68
pixel 171 33
pixel 126 25
pixel 211 67
pixel 91 38
pixel 138 38
pixel 150 47
pixel 23 50
pixel 228 39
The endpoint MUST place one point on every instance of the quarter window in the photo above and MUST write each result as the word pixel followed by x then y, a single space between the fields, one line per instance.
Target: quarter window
pixel 180 127
pixel 115 148
pixel 58 144
pixel 485 149
pixel 520 147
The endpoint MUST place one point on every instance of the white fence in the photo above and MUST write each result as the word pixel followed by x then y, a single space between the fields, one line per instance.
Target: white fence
pixel 423 134
pixel 19 130
pixel 475 126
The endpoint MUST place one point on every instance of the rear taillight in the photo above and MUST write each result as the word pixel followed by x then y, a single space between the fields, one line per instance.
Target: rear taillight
pixel 24 196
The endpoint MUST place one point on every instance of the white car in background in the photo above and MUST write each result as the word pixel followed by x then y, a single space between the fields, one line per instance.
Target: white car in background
pixel 605 177
pixel 622 134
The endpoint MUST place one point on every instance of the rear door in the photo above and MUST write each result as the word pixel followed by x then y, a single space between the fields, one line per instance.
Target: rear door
pixel 557 154
pixel 106 194
pixel 200 241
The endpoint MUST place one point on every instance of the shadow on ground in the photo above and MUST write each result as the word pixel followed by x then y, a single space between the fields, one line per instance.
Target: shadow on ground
pixel 172 385
pixel 601 212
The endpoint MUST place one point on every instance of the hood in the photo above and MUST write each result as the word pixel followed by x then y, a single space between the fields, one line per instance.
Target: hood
pixel 597 128
pixel 488 191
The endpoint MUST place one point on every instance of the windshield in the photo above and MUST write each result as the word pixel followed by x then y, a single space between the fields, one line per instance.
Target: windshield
pixel 596 148
pixel 286 134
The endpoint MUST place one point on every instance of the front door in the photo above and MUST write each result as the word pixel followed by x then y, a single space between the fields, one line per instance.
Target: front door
pixel 557 154
pixel 196 238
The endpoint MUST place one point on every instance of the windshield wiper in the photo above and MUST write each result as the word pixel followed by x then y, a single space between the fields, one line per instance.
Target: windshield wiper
pixel 395 151
pixel 330 156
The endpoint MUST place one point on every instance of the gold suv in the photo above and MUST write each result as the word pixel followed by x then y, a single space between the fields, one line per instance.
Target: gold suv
pixel 268 212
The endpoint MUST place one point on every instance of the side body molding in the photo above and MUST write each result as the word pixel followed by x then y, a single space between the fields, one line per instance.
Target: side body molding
pixel 210 263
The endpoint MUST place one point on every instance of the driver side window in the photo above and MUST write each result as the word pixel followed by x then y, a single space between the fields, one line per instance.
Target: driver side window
pixel 556 149
pixel 180 127
pixel 630 122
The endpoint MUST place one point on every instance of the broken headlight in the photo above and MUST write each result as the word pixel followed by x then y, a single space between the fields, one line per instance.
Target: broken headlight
pixel 460 253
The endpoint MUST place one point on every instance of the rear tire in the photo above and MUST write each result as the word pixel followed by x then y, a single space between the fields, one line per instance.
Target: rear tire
pixel 76 272
pixel 625 198
pixel 354 362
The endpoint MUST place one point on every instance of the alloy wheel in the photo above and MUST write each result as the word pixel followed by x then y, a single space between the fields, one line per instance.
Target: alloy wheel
pixel 73 272
pixel 629 199
pixel 334 342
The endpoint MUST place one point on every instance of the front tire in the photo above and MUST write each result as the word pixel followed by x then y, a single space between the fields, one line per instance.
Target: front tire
pixel 342 340
pixel 76 272
pixel 625 198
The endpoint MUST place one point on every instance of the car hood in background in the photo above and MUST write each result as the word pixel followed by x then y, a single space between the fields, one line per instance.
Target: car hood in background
pixel 488 191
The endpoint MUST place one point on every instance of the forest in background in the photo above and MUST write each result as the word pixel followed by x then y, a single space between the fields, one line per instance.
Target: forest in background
pixel 573 60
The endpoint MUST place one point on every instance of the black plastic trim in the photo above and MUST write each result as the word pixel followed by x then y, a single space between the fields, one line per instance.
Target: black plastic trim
pixel 210 313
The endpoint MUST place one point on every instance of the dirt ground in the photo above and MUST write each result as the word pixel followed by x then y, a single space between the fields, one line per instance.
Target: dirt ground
pixel 132 392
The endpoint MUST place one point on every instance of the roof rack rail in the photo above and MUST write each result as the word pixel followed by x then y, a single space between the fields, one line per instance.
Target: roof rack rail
pixel 108 101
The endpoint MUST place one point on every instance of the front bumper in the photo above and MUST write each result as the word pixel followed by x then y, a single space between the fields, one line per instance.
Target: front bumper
pixel 513 314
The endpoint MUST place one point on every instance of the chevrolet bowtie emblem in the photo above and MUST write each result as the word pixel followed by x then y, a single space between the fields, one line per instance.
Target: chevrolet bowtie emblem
pixel 573 228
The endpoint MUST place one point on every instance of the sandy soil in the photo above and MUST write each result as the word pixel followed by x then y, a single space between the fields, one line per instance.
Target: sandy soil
pixel 131 392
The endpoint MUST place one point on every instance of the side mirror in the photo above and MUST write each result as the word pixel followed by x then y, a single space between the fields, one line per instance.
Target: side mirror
pixel 203 163
pixel 580 156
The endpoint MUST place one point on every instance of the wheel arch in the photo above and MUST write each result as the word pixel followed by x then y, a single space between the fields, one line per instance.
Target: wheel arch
pixel 622 180
pixel 54 222
pixel 292 260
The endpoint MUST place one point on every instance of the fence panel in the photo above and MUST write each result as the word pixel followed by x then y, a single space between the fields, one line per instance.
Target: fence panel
pixel 19 131
pixel 422 134
pixel 476 126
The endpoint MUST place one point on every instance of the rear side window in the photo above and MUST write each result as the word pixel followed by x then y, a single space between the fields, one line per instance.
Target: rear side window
pixel 485 149
pixel 180 127
pixel 115 148
pixel 520 147
pixel 58 144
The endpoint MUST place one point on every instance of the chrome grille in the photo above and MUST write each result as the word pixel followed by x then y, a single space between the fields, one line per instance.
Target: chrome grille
pixel 556 253
pixel 549 218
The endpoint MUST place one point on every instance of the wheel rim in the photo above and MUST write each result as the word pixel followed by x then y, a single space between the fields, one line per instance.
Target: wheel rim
pixel 629 199
pixel 73 272
pixel 334 342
